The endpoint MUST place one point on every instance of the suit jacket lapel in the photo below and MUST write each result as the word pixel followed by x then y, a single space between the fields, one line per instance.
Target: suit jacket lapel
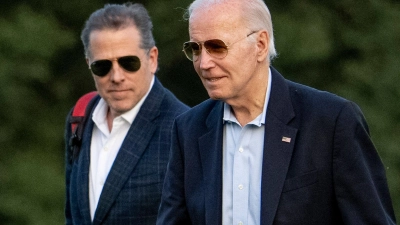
pixel 278 147
pixel 210 146
pixel 135 143
pixel 83 173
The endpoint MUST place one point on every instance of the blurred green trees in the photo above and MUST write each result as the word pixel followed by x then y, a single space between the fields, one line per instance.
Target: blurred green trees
pixel 348 47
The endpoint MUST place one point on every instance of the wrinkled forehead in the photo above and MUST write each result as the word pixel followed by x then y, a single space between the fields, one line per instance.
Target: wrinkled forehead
pixel 214 19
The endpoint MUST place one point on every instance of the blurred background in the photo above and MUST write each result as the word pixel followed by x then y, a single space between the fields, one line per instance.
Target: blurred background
pixel 348 47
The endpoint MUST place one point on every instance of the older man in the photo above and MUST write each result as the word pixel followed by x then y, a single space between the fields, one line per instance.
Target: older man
pixel 265 150
pixel 118 174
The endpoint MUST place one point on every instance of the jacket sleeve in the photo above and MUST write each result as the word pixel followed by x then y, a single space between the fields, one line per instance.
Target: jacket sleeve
pixel 173 210
pixel 359 176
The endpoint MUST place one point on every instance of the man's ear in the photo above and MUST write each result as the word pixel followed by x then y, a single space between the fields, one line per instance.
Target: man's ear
pixel 262 45
pixel 153 59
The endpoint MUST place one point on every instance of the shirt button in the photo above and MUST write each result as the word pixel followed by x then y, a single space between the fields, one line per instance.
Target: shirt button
pixel 105 148
pixel 240 186
pixel 240 149
pixel 240 223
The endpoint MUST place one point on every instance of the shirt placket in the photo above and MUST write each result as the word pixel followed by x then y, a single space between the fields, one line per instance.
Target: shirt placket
pixel 240 181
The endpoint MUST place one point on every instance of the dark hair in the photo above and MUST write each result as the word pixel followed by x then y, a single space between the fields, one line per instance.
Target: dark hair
pixel 114 16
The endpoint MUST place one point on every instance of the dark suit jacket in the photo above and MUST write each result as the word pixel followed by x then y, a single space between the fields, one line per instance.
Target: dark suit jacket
pixel 132 191
pixel 329 173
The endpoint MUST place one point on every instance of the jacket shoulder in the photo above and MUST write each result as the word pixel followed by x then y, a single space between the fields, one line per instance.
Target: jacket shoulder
pixel 199 112
pixel 173 103
pixel 309 97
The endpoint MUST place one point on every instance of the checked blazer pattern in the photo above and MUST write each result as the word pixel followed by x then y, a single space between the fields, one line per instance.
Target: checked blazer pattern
pixel 132 191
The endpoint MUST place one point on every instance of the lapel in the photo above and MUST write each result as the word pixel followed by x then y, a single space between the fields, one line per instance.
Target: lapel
pixel 210 146
pixel 83 172
pixel 277 152
pixel 135 143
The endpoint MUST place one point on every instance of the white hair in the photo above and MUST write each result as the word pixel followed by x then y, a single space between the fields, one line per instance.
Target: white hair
pixel 256 16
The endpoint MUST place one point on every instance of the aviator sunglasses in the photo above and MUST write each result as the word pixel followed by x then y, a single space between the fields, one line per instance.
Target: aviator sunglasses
pixel 102 67
pixel 214 47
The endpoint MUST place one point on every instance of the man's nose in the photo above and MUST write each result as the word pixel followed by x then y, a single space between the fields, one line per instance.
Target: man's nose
pixel 205 60
pixel 117 72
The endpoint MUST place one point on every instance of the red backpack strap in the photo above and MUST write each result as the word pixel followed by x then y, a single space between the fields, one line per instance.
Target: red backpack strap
pixel 77 120
pixel 80 109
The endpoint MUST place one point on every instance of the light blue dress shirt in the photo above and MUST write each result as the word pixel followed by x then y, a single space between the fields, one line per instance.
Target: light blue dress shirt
pixel 242 167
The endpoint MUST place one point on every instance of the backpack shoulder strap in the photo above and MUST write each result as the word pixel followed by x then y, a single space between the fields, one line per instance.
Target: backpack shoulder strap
pixel 80 109
pixel 77 120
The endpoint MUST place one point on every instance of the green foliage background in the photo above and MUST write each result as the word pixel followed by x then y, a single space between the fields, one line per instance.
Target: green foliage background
pixel 348 47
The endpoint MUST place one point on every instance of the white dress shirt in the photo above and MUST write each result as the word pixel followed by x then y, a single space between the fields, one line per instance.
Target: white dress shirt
pixel 105 146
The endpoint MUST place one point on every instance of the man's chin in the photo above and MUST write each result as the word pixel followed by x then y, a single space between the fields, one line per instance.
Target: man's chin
pixel 215 96
pixel 119 109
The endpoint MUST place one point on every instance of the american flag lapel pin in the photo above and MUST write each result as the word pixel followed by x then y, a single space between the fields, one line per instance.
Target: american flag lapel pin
pixel 286 139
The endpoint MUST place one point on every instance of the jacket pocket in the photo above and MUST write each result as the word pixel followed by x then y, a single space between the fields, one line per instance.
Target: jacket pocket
pixel 301 181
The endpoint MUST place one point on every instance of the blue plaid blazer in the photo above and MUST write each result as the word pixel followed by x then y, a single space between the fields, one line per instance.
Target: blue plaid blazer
pixel 132 191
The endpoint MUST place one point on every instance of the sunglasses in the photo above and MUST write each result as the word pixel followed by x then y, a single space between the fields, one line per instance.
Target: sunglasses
pixel 214 47
pixel 102 67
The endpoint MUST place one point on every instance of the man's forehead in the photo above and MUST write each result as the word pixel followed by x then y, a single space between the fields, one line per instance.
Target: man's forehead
pixel 214 21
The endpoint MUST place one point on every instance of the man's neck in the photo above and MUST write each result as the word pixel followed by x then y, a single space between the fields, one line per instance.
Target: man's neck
pixel 250 104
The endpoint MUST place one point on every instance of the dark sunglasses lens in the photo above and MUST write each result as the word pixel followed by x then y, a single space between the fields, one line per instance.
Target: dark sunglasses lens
pixel 191 49
pixel 130 63
pixel 216 48
pixel 101 67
